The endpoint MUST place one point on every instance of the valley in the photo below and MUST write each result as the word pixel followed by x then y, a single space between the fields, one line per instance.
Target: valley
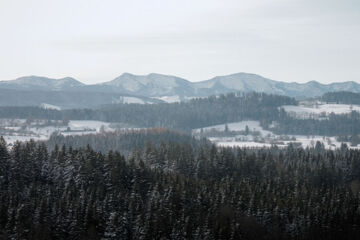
pixel 246 133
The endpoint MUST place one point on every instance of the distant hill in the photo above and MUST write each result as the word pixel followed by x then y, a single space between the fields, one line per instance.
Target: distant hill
pixel 67 99
pixel 152 85
pixel 247 82
pixel 41 83
pixel 157 86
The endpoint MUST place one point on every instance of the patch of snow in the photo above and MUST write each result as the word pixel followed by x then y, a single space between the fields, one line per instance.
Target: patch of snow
pixel 132 100
pixel 306 141
pixel 13 128
pixel 17 130
pixel 237 126
pixel 78 133
pixel 303 111
pixel 243 144
pixel 310 141
pixel 10 139
pixel 128 100
pixel 49 106
pixel 84 125
pixel 267 138
pixel 169 99
pixel 127 84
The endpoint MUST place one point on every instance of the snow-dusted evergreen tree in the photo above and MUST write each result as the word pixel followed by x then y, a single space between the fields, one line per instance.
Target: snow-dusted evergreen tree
pixel 205 192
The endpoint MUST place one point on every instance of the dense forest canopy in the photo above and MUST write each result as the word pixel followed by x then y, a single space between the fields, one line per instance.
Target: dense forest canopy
pixel 334 125
pixel 172 191
pixel 124 141
pixel 341 97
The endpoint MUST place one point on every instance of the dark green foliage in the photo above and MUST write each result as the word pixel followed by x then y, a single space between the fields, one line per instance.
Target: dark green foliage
pixel 354 139
pixel 172 191
pixel 123 141
pixel 334 125
pixel 30 112
pixel 342 97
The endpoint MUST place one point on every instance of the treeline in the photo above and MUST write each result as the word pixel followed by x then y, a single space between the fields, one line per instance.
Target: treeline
pixel 199 113
pixel 124 141
pixel 202 112
pixel 353 139
pixel 170 191
pixel 342 97
pixel 182 116
pixel 30 113
pixel 334 125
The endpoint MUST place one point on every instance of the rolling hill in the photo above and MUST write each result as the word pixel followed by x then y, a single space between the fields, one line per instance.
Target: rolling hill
pixel 152 88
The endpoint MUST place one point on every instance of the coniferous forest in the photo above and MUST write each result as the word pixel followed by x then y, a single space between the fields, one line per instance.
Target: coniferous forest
pixel 341 97
pixel 178 190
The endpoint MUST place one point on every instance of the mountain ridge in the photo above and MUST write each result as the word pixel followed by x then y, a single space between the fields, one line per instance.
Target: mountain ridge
pixel 40 83
pixel 156 85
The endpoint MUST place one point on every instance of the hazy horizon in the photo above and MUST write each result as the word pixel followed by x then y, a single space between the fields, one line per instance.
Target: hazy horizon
pixel 107 80
pixel 96 41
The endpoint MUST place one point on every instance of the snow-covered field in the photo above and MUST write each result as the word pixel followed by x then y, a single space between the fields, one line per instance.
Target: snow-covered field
pixel 329 142
pixel 83 125
pixel 17 130
pixel 49 106
pixel 176 98
pixel 11 139
pixel 266 138
pixel 243 144
pixel 169 99
pixel 133 100
pixel 237 126
pixel 303 111
pixel 129 100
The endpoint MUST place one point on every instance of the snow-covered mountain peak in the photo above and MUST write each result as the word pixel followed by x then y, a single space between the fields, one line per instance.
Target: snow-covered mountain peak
pixel 152 84
pixel 239 82
pixel 156 85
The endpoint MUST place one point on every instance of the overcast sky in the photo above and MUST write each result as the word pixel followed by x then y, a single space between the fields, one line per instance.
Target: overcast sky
pixel 97 40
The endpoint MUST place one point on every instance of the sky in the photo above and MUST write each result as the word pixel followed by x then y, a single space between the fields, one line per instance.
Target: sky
pixel 97 40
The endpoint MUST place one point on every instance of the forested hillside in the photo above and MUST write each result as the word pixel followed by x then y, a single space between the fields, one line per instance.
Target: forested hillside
pixel 341 97
pixel 171 192
pixel 199 113
pixel 123 141
pixel 181 116
pixel 334 125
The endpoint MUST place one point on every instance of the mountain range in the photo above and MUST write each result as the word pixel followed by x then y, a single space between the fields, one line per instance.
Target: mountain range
pixel 152 88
